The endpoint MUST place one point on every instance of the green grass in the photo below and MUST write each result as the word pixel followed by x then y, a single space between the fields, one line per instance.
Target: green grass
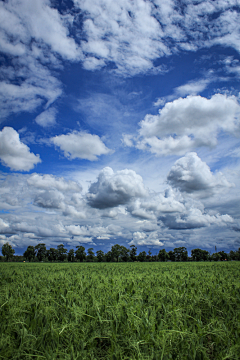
pixel 120 311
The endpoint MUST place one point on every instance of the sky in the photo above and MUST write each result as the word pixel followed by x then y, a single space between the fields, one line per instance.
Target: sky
pixel 120 123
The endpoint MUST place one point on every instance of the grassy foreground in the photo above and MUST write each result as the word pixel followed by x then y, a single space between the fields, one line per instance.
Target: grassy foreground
pixel 120 311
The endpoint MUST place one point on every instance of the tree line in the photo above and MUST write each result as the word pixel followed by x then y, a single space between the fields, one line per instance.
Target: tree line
pixel 118 253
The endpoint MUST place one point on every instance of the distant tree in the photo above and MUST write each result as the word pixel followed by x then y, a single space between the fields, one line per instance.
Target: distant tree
pixel 30 253
pixel 142 256
pixel 116 251
pixel 100 255
pixel 154 258
pixel 91 255
pixel 41 251
pixel 180 254
pixel 52 254
pixel 234 255
pixel 124 254
pixel 200 255
pixel 215 257
pixel 149 257
pixel 109 256
pixel 7 251
pixel 70 255
pixel 62 252
pixel 133 252
pixel 171 255
pixel 223 255
pixel 163 255
pixel 80 253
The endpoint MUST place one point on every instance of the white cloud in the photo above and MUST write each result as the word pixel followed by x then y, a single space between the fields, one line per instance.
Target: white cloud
pixel 113 189
pixel 190 174
pixel 25 20
pixel 142 239
pixel 81 145
pixel 48 181
pixel 185 124
pixel 4 227
pixel 50 199
pixel 192 87
pixel 36 85
pixel 47 118
pixel 15 154
pixel 193 219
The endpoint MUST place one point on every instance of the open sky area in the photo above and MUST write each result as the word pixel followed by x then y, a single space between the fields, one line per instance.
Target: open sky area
pixel 120 123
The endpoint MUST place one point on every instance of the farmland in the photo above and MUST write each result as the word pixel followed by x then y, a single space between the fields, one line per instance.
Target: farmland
pixel 120 310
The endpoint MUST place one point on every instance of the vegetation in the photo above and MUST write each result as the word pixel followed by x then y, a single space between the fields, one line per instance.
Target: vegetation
pixel 118 253
pixel 120 311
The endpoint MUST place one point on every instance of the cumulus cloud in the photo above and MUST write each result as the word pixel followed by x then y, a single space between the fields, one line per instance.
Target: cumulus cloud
pixel 157 203
pixel 47 118
pixel 113 189
pixel 193 219
pixel 49 181
pixel 15 154
pixel 142 239
pixel 185 124
pixel 134 34
pixel 192 87
pixel 23 20
pixel 50 199
pixel 190 174
pixel 4 227
pixel 81 145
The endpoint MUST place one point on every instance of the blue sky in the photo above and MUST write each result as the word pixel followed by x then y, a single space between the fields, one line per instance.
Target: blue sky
pixel 120 123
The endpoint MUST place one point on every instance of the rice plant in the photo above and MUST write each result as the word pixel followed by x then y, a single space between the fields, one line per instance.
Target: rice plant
pixel 120 311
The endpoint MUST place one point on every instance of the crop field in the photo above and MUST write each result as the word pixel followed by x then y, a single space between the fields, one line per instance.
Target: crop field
pixel 120 311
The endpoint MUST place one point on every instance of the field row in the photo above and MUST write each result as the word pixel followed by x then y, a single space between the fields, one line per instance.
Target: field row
pixel 120 311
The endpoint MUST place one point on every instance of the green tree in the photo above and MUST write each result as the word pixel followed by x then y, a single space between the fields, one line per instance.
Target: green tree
pixel 52 254
pixel 133 253
pixel 116 251
pixel 7 251
pixel 62 252
pixel 142 256
pixel 100 255
pixel 91 255
pixel 80 253
pixel 180 254
pixel 163 255
pixel 171 255
pixel 41 251
pixel 70 255
pixel 200 255
pixel 215 256
pixel 234 255
pixel 223 255
pixel 109 256
pixel 30 253
pixel 124 254
pixel 149 257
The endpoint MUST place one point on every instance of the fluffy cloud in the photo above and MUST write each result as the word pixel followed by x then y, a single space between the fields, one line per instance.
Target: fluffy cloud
pixel 184 124
pixel 48 181
pixel 81 145
pixel 134 34
pixel 113 189
pixel 35 36
pixel 194 219
pixel 47 118
pixel 142 239
pixel 50 199
pixel 23 20
pixel 190 174
pixel 15 154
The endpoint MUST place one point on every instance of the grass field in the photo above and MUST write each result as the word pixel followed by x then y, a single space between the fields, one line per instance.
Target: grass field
pixel 120 311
